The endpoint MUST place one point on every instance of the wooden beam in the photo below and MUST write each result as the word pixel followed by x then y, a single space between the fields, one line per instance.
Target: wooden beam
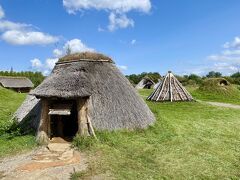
pixel 42 136
pixel 82 117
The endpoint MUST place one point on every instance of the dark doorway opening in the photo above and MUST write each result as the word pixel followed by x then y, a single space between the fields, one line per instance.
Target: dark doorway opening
pixel 64 126
pixel 148 85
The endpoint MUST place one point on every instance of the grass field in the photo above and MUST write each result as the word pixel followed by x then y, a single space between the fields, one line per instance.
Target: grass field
pixel 205 96
pixel 232 98
pixel 188 141
pixel 11 142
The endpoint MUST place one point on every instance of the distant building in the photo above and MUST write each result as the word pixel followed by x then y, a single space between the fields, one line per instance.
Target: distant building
pixel 19 84
pixel 145 83
pixel 170 90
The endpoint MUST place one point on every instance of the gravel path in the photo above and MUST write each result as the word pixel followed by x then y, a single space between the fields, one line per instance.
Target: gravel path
pixel 43 163
pixel 226 105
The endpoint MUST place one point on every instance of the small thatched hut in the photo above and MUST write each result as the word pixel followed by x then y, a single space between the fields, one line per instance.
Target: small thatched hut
pixel 145 83
pixel 86 91
pixel 170 90
pixel 157 84
pixel 19 84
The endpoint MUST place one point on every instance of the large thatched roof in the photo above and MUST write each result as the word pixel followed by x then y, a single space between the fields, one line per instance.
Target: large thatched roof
pixel 114 102
pixel 15 82
pixel 170 90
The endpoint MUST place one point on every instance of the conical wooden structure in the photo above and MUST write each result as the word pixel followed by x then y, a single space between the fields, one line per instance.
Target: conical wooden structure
pixel 170 90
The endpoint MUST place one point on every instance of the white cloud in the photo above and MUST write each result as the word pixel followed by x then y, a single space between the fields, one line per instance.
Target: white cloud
pixel 234 44
pixel 46 67
pixel 117 8
pixel 76 45
pixel 228 60
pixel 117 21
pixel 50 63
pixel 58 53
pixel 222 57
pixel 8 25
pixel 18 37
pixel 36 63
pixel 2 14
pixel 23 34
pixel 231 52
pixel 100 29
pixel 133 41
pixel 113 5
pixel 122 68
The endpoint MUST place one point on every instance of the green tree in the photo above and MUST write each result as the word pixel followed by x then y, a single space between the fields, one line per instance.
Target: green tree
pixel 213 74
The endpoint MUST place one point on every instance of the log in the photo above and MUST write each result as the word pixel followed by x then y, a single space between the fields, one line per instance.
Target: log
pixel 42 136
pixel 82 117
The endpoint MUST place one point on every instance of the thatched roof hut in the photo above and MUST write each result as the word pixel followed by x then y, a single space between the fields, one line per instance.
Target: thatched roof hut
pixel 157 84
pixel 145 83
pixel 19 84
pixel 170 90
pixel 86 91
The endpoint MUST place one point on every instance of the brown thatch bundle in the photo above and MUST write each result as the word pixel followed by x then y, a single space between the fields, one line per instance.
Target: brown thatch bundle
pixel 170 90
pixel 113 102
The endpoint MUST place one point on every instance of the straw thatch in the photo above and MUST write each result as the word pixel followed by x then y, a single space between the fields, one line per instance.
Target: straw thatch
pixel 170 90
pixel 157 84
pixel 29 112
pixel 145 83
pixel 87 56
pixel 113 102
pixel 15 82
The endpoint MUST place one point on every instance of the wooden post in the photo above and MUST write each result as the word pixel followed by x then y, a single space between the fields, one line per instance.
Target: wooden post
pixel 82 117
pixel 42 136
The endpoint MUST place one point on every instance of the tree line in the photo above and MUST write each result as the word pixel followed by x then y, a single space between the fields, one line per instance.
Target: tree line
pixel 135 78
pixel 35 77
pixel 191 79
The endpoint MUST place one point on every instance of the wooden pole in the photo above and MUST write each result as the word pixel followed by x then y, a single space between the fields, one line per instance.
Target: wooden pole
pixel 82 117
pixel 42 136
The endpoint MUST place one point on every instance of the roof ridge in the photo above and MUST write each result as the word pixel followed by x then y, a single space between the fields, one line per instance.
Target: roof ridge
pixel 14 77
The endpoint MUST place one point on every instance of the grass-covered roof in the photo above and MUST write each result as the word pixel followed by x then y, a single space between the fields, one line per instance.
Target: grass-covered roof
pixel 85 56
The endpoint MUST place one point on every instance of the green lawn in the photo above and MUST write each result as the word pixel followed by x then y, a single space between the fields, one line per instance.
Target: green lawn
pixel 204 96
pixel 188 141
pixel 215 97
pixel 11 142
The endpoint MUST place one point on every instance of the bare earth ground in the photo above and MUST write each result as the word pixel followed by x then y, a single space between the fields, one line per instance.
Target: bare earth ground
pixel 224 105
pixel 55 162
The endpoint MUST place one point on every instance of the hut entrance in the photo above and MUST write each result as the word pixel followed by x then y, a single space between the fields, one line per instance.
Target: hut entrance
pixel 63 119
pixel 148 85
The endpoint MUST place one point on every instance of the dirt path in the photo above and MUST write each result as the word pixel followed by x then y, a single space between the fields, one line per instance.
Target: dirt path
pixel 55 162
pixel 226 105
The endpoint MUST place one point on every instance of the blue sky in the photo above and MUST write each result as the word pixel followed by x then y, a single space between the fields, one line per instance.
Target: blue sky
pixel 185 36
